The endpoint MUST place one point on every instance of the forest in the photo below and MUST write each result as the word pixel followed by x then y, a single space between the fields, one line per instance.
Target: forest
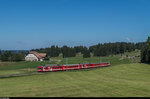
pixel 97 50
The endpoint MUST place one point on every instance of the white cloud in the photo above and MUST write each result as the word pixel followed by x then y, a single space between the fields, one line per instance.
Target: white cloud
pixel 128 39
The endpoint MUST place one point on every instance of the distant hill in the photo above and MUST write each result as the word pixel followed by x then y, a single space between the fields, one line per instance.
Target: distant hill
pixel 15 51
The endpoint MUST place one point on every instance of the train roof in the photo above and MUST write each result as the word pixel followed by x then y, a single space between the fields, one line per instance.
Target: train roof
pixel 59 65
pixel 69 64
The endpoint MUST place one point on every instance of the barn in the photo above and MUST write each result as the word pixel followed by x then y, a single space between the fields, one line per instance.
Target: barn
pixel 35 56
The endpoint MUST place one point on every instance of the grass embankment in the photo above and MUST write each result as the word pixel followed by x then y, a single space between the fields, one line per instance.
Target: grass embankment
pixel 124 80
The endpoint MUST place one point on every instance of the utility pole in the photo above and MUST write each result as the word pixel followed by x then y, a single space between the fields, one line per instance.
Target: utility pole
pixel 66 61
pixel 100 59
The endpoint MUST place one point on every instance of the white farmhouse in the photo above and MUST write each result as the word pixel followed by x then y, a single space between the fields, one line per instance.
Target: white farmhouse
pixel 31 57
pixel 35 56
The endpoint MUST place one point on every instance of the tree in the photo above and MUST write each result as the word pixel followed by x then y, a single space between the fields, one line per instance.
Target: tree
pixel 57 51
pixel 0 54
pixel 143 55
pixel 22 55
pixel 72 52
pixel 18 57
pixel 64 50
pixel 145 52
pixel 6 56
pixel 140 45
pixel 86 54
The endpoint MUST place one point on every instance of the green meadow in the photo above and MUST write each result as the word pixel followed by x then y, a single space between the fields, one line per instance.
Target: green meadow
pixel 124 78
pixel 23 67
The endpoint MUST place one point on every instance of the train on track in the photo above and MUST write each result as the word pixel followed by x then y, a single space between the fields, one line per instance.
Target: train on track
pixel 57 67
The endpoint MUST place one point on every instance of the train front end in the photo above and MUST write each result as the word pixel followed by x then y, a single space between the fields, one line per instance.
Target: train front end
pixel 40 68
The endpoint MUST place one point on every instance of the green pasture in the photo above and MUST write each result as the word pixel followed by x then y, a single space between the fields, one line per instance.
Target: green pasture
pixel 123 80
pixel 126 77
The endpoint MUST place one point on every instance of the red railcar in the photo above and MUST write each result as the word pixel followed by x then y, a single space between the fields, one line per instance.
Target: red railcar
pixel 50 68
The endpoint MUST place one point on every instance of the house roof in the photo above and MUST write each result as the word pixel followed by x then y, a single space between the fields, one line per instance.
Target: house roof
pixel 38 55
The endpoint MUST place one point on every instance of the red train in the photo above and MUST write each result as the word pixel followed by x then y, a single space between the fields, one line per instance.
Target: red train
pixel 50 68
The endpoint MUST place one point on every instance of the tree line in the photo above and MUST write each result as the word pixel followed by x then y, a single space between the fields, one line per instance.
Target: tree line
pixel 97 50
pixel 114 48
pixel 66 51
pixel 10 56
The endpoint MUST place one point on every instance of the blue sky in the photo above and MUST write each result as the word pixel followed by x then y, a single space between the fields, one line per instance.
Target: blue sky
pixel 27 24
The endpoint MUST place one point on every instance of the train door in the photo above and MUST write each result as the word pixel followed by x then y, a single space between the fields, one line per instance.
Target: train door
pixel 50 68
pixel 43 68
pixel 85 66
pixel 63 68
pixel 102 64
pixel 82 66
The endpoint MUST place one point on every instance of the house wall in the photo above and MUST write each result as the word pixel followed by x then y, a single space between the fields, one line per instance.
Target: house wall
pixel 31 57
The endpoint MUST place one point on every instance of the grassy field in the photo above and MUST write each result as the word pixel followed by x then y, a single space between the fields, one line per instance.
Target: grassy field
pixel 124 80
pixel 7 68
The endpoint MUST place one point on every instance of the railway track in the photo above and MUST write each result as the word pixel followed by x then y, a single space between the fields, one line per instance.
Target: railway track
pixel 21 74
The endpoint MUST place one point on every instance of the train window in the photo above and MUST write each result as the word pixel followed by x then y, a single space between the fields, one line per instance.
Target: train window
pixel 57 67
pixel 60 67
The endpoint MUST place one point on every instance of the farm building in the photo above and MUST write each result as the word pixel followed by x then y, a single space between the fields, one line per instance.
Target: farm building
pixel 35 56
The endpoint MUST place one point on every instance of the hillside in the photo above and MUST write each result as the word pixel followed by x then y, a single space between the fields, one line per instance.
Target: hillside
pixel 124 80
